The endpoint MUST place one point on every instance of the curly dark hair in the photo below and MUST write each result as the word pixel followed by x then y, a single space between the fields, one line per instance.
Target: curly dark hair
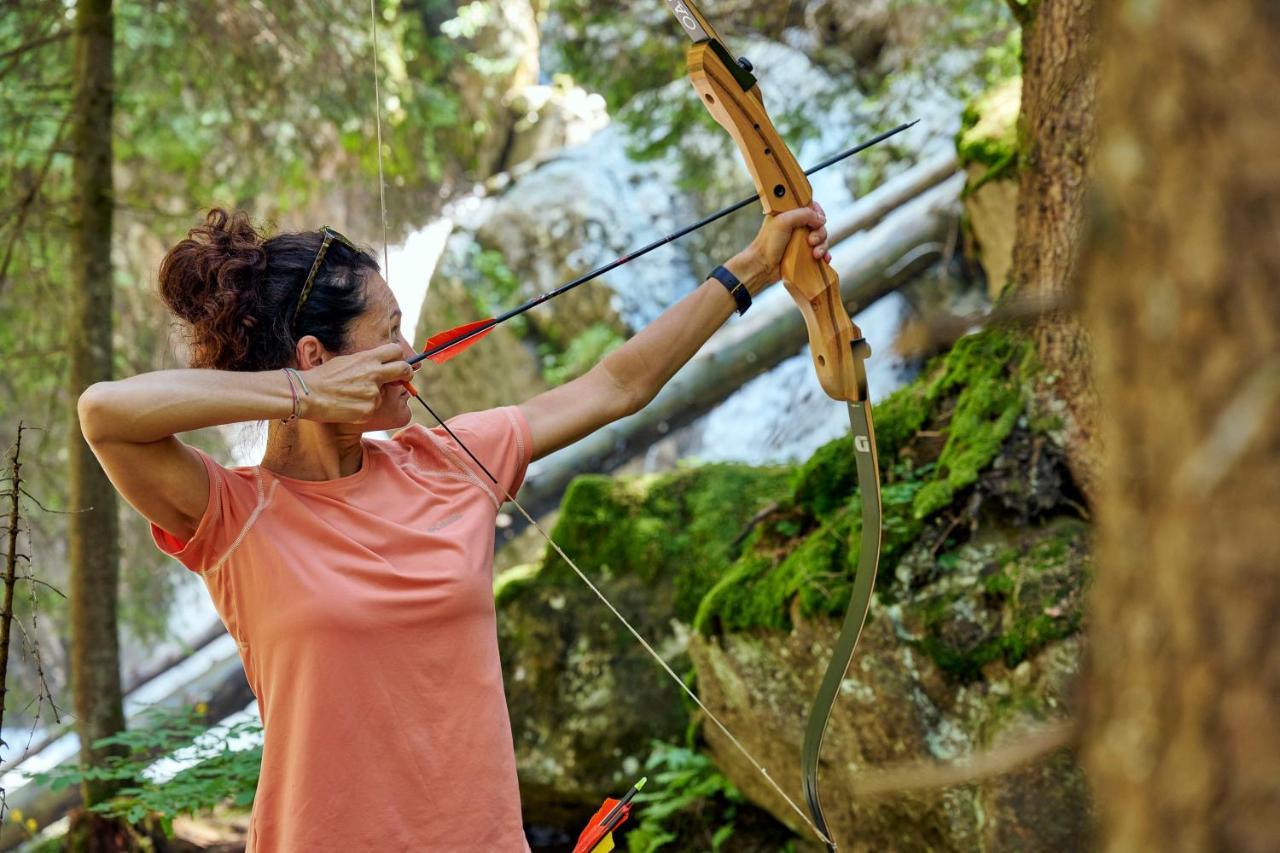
pixel 236 290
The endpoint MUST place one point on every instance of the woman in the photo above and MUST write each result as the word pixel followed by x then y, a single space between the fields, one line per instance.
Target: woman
pixel 355 575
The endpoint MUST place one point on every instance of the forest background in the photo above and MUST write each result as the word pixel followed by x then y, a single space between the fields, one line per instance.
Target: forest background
pixel 1133 344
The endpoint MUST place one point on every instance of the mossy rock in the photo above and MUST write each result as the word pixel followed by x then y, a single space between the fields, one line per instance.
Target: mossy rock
pixel 989 132
pixel 935 438
pixel 982 574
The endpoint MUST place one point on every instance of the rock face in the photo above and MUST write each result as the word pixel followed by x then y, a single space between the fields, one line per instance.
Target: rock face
pixel 988 145
pixel 738 576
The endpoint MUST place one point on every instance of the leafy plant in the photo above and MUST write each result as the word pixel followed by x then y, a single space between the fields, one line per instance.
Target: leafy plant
pixel 585 350
pixel 684 781
pixel 213 772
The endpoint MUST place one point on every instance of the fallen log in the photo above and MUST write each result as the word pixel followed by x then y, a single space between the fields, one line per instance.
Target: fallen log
pixel 869 268
pixel 867 211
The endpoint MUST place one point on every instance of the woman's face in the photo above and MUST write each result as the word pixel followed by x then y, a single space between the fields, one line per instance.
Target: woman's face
pixel 378 325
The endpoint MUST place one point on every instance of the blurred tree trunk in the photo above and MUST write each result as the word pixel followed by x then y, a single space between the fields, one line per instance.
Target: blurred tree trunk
pixel 93 546
pixel 1182 302
pixel 1056 132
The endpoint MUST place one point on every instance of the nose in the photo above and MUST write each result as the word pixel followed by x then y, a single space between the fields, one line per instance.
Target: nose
pixel 407 349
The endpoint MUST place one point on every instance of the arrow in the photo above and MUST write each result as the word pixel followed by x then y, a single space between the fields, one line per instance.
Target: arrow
pixel 445 345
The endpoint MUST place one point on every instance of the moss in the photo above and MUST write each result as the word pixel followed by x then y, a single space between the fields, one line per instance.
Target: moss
pixel 682 527
pixel 1031 598
pixel 988 133
pixel 758 589
pixel 807 553
pixel 510 584
pixel 696 529
pixel 990 368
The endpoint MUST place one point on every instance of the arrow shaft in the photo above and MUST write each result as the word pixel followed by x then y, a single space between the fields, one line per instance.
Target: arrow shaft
pixel 647 248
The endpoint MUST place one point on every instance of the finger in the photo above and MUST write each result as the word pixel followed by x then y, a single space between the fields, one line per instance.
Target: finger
pixel 389 352
pixel 393 371
pixel 817 236
pixel 827 257
pixel 801 217
pixel 814 204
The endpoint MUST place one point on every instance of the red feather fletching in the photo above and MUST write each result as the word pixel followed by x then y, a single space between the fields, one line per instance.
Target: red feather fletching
pixel 444 338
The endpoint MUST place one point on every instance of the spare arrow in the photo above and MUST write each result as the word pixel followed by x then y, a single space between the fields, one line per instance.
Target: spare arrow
pixel 598 836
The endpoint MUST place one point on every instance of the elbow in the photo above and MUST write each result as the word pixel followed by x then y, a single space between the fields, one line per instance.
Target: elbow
pixel 635 399
pixel 89 411
pixel 628 397
pixel 627 389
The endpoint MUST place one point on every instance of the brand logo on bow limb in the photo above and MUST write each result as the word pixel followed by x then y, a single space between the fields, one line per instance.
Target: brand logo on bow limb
pixel 861 444
pixel 687 20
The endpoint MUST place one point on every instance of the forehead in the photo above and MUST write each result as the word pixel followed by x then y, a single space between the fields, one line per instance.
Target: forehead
pixel 379 293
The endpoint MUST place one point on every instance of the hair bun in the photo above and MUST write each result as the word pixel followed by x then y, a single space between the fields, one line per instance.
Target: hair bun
pixel 210 280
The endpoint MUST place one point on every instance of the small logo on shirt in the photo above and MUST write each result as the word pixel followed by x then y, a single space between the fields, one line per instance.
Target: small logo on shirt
pixel 445 522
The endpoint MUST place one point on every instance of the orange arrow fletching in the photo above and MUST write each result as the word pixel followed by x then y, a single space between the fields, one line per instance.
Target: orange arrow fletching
pixel 596 832
pixel 441 342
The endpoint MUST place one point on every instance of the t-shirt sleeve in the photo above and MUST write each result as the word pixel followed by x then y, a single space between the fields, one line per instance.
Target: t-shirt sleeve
pixel 233 498
pixel 499 439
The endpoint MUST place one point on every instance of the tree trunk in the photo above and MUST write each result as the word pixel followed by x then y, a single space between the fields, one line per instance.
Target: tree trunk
pixel 93 546
pixel 1182 302
pixel 1056 132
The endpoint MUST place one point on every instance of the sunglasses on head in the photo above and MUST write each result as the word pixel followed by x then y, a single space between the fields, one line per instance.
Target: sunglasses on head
pixel 330 236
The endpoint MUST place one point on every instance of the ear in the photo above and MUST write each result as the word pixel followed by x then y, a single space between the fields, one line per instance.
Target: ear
pixel 309 352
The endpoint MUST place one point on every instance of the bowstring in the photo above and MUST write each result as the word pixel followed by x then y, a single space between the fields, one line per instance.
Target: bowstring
pixel 648 647
pixel 377 111
pixel 457 461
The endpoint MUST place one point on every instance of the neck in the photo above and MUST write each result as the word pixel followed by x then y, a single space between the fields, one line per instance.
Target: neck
pixel 307 450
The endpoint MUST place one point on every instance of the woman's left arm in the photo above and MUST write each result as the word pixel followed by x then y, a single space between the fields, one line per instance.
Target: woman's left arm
pixel 629 377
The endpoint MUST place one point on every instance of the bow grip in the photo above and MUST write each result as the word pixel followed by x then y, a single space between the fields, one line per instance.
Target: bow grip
pixel 836 344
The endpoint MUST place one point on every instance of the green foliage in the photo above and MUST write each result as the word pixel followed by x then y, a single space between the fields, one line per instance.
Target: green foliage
pixel 594 30
pixel 682 781
pixel 495 285
pixel 1039 589
pixel 806 552
pixel 988 133
pixel 221 774
pixel 582 353
pixel 1003 60
pixel 265 106
pixel 685 526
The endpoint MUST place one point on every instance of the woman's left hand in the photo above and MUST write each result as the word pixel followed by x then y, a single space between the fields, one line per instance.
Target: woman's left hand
pixel 759 265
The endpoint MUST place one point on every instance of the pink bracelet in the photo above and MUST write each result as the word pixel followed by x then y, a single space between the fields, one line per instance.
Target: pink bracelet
pixel 294 392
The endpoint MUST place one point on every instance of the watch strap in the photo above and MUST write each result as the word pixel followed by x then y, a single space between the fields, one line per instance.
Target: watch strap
pixel 738 290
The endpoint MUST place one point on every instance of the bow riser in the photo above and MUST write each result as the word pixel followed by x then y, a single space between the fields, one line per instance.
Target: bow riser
pixel 778 177
pixel 782 185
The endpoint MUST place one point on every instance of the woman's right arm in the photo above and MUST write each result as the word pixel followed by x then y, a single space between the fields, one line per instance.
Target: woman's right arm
pixel 130 425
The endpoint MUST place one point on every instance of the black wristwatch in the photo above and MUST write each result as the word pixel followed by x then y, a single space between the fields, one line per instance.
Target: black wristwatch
pixel 736 289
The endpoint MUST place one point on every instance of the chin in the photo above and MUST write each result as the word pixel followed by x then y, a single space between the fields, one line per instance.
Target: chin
pixel 391 420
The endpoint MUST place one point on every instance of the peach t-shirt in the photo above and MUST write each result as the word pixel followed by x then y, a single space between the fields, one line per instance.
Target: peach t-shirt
pixel 363 610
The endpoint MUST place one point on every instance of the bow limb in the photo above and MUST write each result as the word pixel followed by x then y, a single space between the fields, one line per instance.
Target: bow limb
pixel 729 91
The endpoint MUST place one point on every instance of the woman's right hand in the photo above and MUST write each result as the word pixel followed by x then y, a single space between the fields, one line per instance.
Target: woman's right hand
pixel 350 388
